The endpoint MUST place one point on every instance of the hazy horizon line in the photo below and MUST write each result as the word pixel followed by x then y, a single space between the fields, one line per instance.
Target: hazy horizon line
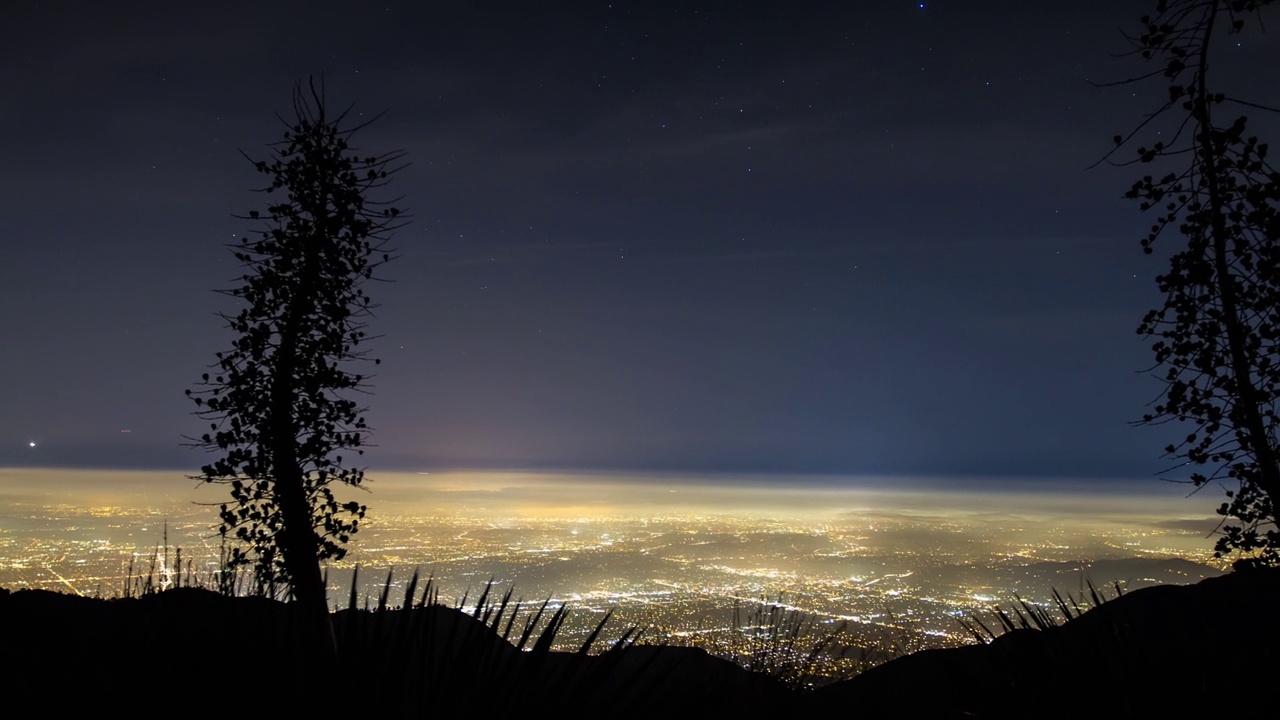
pixel 797 477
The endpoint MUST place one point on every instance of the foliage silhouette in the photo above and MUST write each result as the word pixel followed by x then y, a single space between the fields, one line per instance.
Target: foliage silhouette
pixel 1026 615
pixel 278 402
pixel 1217 334
pixel 423 657
pixel 792 646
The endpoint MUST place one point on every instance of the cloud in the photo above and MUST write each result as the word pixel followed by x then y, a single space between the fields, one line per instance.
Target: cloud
pixel 1200 526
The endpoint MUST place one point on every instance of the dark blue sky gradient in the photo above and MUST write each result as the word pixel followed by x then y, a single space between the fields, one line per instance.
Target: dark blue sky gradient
pixel 743 237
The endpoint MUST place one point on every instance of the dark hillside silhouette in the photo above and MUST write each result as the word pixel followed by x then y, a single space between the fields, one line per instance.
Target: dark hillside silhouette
pixel 200 653
pixel 1181 650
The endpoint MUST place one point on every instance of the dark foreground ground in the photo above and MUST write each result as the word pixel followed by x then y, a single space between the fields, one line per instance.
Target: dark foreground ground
pixel 1184 651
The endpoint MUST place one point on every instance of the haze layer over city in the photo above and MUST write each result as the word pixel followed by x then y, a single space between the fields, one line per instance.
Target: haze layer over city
pixel 902 561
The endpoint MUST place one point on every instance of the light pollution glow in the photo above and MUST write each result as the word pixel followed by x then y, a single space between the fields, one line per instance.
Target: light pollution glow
pixel 581 495
pixel 666 551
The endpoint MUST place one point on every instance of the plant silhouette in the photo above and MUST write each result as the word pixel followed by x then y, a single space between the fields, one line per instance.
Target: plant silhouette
pixel 282 421
pixel 1217 336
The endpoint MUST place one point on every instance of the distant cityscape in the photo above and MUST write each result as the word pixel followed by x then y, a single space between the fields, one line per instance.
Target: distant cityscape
pixel 892 570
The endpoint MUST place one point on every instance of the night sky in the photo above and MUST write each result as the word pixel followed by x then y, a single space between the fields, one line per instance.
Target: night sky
pixel 846 238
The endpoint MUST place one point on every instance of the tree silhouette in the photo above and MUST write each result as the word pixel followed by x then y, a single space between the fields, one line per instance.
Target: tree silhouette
pixel 1216 336
pixel 281 419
